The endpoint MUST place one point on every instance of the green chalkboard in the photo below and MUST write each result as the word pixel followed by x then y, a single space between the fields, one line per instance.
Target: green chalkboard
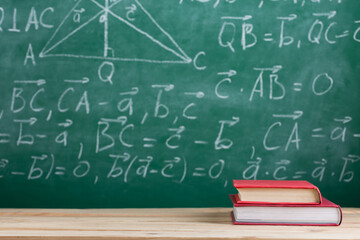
pixel 154 103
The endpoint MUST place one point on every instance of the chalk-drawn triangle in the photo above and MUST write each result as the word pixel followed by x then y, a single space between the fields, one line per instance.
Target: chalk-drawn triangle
pixel 86 41
pixel 132 13
pixel 124 47
pixel 79 17
pixel 113 23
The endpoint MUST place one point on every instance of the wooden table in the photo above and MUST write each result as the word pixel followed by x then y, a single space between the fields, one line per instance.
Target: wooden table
pixel 199 223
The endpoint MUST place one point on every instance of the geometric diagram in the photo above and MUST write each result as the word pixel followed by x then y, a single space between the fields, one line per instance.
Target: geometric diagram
pixel 115 30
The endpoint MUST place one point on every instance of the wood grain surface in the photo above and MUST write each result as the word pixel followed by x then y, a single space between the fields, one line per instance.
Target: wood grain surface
pixel 187 223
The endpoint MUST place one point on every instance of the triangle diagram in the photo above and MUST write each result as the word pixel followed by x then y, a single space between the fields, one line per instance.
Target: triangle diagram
pixel 118 30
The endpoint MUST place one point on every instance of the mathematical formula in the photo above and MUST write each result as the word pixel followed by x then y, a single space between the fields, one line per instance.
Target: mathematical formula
pixel 172 108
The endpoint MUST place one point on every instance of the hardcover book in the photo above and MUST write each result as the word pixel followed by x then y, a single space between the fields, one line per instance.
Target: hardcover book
pixel 324 214
pixel 276 192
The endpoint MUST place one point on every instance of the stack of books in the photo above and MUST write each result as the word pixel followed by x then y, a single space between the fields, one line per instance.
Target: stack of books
pixel 272 202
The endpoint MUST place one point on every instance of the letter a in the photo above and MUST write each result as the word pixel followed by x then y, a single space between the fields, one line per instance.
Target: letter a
pixel 30 55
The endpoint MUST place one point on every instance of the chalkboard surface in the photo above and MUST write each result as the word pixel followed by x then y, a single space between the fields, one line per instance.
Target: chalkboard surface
pixel 144 103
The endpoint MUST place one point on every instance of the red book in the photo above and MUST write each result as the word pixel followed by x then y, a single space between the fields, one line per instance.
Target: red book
pixel 276 192
pixel 324 214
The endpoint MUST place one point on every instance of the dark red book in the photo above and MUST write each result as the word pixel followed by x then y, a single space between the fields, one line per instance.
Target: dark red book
pixel 324 214
pixel 276 192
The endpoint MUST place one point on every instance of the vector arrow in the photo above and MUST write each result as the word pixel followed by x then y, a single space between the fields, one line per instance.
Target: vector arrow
pixel 296 115
pixel 37 82
pixel 82 81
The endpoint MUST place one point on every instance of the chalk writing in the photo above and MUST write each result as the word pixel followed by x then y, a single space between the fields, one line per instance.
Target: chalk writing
pixel 117 94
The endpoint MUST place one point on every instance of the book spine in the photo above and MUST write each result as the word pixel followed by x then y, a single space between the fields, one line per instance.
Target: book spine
pixel 320 197
pixel 341 215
